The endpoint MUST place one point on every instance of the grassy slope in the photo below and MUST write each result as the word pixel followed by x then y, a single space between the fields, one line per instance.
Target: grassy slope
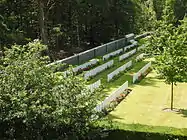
pixel 125 76
pixel 146 103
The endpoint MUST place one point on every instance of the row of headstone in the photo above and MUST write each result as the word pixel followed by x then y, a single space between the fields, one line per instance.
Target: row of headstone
pixel 115 53
pixel 98 69
pixel 107 56
pixel 86 65
pixel 141 71
pixel 101 50
pixel 118 70
pixel 112 97
pixel 82 67
pixel 128 47
pixel 95 61
pixel 129 37
pixel 126 55
pixel 134 42
pixel 140 57
pixel 94 86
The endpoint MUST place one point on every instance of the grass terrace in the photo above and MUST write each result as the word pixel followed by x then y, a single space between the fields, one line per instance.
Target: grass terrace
pixel 122 78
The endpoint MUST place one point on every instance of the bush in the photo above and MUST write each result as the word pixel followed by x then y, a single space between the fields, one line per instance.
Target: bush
pixel 36 103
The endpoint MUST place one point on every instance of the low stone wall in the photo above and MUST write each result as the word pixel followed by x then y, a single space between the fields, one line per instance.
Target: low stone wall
pixel 143 35
pixel 98 51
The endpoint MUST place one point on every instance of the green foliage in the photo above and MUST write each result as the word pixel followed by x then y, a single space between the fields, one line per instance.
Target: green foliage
pixel 158 7
pixel 77 25
pixel 155 43
pixel 67 24
pixel 36 103
pixel 145 17
pixel 180 9
pixel 169 13
pixel 170 67
pixel 168 45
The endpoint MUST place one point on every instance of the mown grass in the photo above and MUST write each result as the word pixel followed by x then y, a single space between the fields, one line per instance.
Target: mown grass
pixel 144 128
pixel 147 101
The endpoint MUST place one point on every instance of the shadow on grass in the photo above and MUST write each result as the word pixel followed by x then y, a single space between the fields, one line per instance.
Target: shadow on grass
pixel 148 81
pixel 112 117
pixel 133 135
pixel 183 112
pixel 121 131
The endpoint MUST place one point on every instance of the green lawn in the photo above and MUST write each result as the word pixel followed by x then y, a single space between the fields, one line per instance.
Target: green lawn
pixel 145 104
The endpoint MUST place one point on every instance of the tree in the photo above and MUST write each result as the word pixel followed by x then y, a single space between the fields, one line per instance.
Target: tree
pixel 170 67
pixel 180 9
pixel 168 46
pixel 37 103
pixel 77 25
pixel 3 29
pixel 145 16
pixel 158 6
pixel 72 26
pixel 169 12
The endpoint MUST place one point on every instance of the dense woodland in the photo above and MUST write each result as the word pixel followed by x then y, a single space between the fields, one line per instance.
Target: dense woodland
pixel 71 26
pixel 38 101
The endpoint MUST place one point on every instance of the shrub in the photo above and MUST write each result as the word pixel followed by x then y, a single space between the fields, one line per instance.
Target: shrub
pixel 36 103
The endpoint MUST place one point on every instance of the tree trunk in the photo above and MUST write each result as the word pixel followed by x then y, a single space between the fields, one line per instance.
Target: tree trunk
pixel 78 33
pixel 42 22
pixel 91 32
pixel 172 96
pixel 43 32
pixel 70 14
pixel 116 27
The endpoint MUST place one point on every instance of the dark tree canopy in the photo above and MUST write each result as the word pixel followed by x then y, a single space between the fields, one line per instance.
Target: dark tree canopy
pixel 78 24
